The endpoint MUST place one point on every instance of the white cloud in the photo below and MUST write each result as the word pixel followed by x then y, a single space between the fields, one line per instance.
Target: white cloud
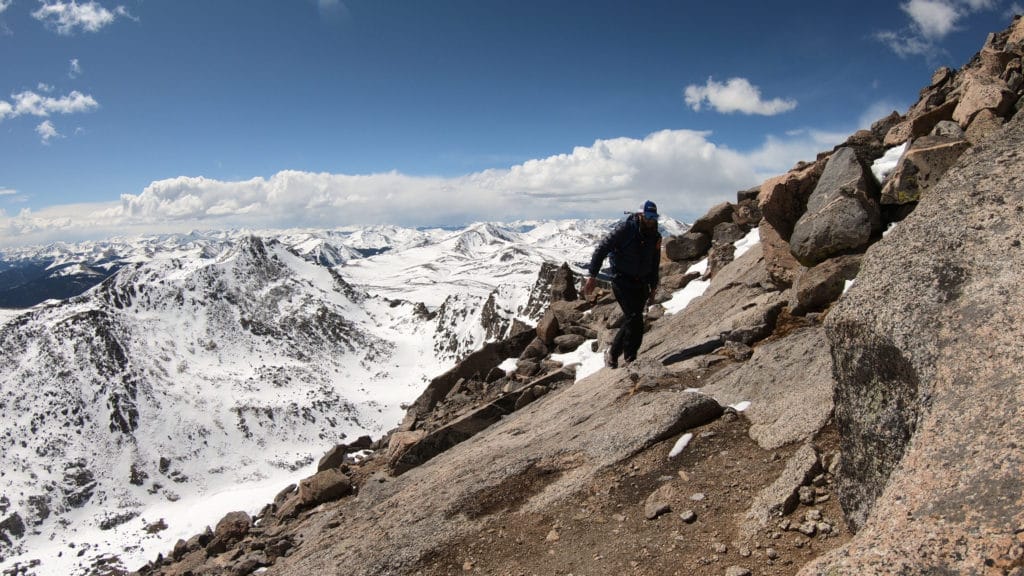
pixel 930 22
pixel 735 95
pixel 4 5
pixel 34 104
pixel 682 170
pixel 7 192
pixel 47 131
pixel 65 17
pixel 74 68
pixel 933 18
pixel 42 87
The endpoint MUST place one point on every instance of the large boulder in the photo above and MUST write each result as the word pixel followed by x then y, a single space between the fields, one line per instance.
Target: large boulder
pixel 781 266
pixel 783 199
pixel 927 357
pixel 983 92
pixel 715 216
pixel 842 212
pixel 689 246
pixel 920 124
pixel 921 166
pixel 816 288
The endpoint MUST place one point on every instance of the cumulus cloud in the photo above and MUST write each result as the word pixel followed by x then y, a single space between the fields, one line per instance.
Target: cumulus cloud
pixel 735 95
pixel 66 17
pixel 684 171
pixel 35 104
pixel 47 131
pixel 74 68
pixel 4 5
pixel 930 22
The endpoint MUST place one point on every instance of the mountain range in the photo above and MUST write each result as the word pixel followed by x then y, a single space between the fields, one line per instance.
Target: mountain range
pixel 153 372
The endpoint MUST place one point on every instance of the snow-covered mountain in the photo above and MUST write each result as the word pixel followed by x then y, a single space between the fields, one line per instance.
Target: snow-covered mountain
pixel 215 363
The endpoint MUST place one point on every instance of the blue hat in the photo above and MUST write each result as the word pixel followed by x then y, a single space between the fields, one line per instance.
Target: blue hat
pixel 650 210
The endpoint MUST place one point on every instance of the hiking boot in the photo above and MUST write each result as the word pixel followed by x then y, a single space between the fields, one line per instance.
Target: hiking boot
pixel 627 360
pixel 609 360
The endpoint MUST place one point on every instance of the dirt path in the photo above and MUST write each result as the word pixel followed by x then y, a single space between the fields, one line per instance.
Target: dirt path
pixel 605 530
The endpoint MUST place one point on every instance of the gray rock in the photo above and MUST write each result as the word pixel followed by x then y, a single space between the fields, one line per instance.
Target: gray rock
pixel 688 246
pixel 842 212
pixel 568 342
pixel 688 516
pixel 797 366
pixel 780 498
pixel 921 166
pixel 807 495
pixel 716 215
pixel 737 571
pixel 927 353
pixel 563 286
pixel 727 233
pixel 818 287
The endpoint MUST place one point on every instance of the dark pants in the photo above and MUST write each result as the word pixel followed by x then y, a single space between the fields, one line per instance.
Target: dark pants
pixel 632 296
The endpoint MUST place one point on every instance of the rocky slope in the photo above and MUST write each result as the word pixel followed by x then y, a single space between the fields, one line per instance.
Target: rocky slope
pixel 781 422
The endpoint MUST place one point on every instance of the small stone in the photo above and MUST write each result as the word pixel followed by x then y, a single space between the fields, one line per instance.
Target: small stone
pixel 807 495
pixel 688 516
pixel 654 509
pixel 467 566
pixel 553 536
pixel 737 571
pixel 808 528
pixel 820 480
pixel 824 528
pixel 799 543
pixel 785 525
pixel 719 548
pixel 772 553
pixel 618 517
pixel 684 475
pixel 813 515
pixel 745 552
pixel 697 497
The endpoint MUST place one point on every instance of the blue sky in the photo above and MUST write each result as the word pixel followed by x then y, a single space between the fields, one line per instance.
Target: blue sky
pixel 159 115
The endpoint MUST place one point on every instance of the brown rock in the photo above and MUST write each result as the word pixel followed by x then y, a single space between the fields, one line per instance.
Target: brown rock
pixel 923 163
pixel 818 287
pixel 547 328
pixel 980 93
pixel 882 127
pixel 783 199
pixel 323 487
pixel 984 124
pixel 779 262
pixel 1016 31
pixel 920 125
pixel 715 216
pixel 993 62
pixel 689 246
pixel 229 531
pixel 563 286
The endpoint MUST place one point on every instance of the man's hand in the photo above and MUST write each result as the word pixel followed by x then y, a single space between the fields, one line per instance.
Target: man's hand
pixel 588 287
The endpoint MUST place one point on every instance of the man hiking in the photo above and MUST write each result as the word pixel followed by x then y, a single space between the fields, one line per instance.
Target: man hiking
pixel 635 249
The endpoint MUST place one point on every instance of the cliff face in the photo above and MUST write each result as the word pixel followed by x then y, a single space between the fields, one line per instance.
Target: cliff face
pixel 781 422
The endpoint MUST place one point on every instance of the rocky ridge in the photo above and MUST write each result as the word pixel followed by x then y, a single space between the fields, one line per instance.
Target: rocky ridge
pixel 878 437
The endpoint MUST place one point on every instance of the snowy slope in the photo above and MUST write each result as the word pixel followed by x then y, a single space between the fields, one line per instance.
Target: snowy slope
pixel 212 369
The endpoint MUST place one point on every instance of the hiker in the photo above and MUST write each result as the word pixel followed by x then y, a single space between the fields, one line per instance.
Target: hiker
pixel 635 249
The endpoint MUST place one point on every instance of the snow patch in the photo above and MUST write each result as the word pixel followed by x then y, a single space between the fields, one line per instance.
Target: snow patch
pixel 680 445
pixel 887 163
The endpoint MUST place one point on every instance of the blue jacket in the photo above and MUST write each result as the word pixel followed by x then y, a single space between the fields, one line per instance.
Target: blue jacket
pixel 634 254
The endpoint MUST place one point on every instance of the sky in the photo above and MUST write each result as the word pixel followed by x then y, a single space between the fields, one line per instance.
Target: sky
pixel 122 117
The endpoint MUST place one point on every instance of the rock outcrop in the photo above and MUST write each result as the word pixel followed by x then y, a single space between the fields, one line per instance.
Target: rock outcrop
pixel 928 396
